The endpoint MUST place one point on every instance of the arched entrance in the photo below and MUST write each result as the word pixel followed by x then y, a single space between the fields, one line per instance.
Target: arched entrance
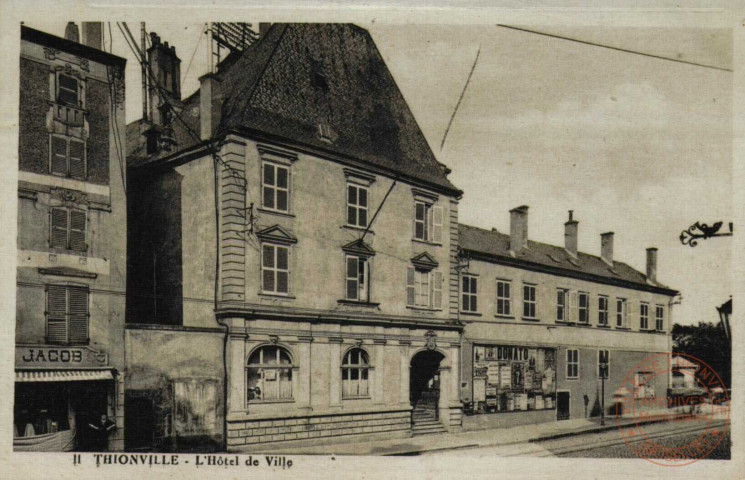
pixel 424 383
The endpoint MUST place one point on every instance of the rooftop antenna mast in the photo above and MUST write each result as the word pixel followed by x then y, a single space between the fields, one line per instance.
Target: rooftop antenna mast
pixel 144 72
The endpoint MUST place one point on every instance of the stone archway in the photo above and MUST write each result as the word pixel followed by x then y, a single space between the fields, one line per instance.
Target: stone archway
pixel 425 382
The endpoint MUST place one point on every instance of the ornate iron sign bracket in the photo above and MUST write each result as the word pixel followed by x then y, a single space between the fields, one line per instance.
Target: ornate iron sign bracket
pixel 702 231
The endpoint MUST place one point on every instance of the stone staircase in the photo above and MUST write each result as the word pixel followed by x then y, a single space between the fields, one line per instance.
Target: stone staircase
pixel 425 422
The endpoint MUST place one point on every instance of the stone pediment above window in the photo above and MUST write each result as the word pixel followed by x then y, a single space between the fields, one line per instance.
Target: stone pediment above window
pixel 358 247
pixel 425 261
pixel 277 234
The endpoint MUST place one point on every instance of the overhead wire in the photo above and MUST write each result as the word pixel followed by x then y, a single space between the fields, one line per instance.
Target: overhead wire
pixel 609 47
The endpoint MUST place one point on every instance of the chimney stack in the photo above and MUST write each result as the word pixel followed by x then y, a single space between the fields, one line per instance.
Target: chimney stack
pixel 570 234
pixel 209 105
pixel 72 33
pixel 606 247
pixel 166 70
pixel 93 34
pixel 519 228
pixel 652 265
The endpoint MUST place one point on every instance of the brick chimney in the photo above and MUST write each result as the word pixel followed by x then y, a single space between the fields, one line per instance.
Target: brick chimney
pixel 166 70
pixel 652 265
pixel 72 33
pixel 606 247
pixel 93 34
pixel 519 228
pixel 570 234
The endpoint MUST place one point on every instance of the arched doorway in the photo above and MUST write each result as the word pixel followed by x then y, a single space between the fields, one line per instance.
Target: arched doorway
pixel 424 383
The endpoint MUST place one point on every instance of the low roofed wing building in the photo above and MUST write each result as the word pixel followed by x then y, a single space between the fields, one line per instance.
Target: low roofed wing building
pixel 252 204
pixel 546 326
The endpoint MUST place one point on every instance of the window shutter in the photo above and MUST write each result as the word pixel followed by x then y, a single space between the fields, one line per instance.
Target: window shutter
pixel 56 314
pixel 572 307
pixel 437 224
pixel 352 278
pixel 77 230
pixel 58 237
pixel 59 156
pixel 77 159
pixel 410 288
pixel 437 290
pixel 626 313
pixel 430 224
pixel 78 307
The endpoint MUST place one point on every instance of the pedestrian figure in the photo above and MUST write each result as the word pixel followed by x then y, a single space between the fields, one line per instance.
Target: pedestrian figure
pixel 99 433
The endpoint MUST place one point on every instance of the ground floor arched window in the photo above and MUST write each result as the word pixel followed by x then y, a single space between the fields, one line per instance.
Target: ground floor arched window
pixel 354 374
pixel 269 374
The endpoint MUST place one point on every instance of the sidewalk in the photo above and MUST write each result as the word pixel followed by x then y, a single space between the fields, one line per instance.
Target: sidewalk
pixel 471 439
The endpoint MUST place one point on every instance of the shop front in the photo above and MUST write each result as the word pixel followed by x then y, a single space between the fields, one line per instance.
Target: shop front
pixel 512 380
pixel 61 397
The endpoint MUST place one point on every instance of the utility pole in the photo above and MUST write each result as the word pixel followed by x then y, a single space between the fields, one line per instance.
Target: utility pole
pixel 144 72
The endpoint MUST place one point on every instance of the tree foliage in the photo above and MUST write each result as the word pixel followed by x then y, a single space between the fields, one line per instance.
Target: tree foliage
pixel 707 342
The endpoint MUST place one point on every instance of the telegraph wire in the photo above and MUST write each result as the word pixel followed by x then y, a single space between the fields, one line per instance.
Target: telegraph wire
pixel 618 49
pixel 460 99
pixel 201 34
pixel 235 174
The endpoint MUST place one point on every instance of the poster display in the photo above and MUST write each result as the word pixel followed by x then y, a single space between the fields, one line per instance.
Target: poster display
pixel 514 378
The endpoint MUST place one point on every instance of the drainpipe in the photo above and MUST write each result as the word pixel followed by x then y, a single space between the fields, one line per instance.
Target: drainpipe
pixel 227 327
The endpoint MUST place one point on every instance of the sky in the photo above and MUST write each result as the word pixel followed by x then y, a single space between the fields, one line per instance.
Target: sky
pixel 636 145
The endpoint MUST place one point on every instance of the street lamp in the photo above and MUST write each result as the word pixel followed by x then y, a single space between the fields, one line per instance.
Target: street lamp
pixel 603 375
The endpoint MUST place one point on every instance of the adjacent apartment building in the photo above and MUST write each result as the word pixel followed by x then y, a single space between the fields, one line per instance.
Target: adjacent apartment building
pixel 293 243
pixel 71 242
pixel 548 328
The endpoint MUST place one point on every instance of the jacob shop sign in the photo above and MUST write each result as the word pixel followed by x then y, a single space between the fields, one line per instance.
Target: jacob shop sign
pixel 41 356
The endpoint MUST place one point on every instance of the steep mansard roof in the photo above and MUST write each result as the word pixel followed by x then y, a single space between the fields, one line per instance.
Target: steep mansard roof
pixel 299 76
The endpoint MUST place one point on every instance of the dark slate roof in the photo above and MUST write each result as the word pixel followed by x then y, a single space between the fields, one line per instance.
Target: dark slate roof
pixel 75 48
pixel 553 259
pixel 270 90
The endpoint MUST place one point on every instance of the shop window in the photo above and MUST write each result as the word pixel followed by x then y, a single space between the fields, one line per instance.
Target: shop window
pixel 583 305
pixel 275 187
pixel 357 205
pixel 643 388
pixel 67 314
pixel 67 157
pixel 504 297
pixel 572 364
pixel 622 314
pixel 357 278
pixel 354 374
pixel 275 269
pixel 67 228
pixel 643 316
pixel 428 221
pixel 269 374
pixel 469 293
pixel 602 311
pixel 659 318
pixel 423 288
pixel 604 364
pixel 529 302
pixel 510 378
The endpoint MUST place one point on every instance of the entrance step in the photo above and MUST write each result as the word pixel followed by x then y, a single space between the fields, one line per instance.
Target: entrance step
pixel 437 427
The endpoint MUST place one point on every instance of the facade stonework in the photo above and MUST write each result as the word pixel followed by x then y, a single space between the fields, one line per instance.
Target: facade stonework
pixel 71 249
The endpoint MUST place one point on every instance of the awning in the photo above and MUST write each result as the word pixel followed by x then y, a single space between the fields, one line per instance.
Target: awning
pixel 63 375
